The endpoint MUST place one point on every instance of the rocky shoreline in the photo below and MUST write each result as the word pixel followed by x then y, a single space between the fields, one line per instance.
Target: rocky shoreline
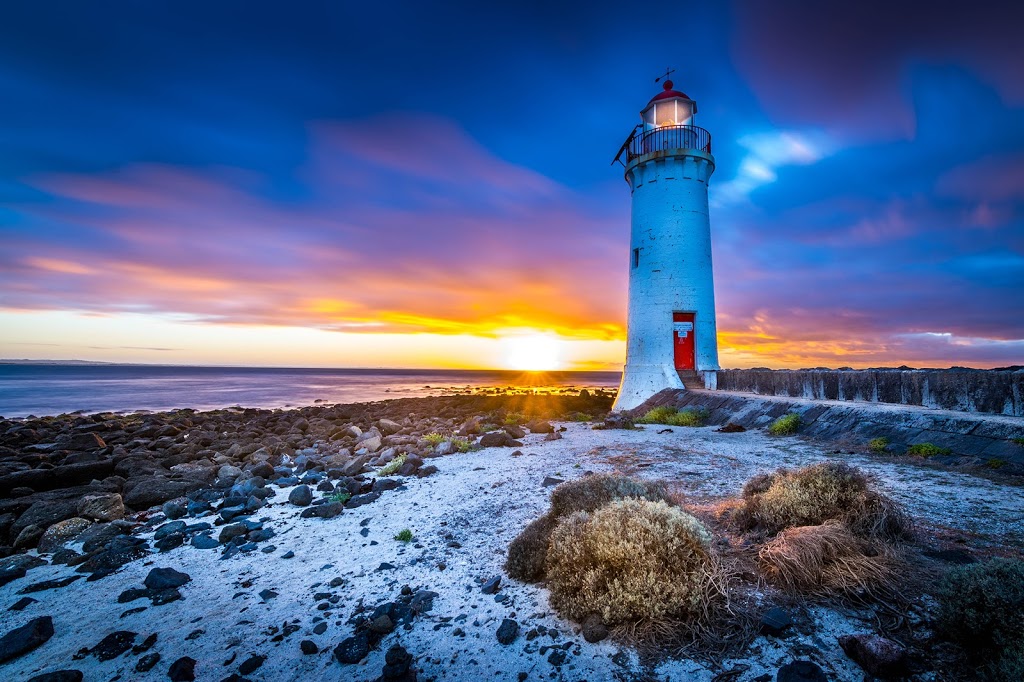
pixel 257 544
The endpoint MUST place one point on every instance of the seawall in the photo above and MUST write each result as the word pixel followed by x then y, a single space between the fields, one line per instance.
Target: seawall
pixel 973 438
pixel 963 390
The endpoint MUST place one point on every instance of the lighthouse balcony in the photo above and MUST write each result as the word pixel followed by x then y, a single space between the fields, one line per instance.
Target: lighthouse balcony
pixel 662 139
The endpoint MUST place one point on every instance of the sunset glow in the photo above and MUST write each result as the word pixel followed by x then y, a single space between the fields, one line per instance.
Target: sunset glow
pixel 537 352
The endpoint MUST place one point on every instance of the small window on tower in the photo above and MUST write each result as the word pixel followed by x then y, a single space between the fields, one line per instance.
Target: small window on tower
pixel 636 258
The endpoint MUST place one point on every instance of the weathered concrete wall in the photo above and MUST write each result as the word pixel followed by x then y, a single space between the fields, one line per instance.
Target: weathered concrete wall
pixel 964 390
pixel 978 437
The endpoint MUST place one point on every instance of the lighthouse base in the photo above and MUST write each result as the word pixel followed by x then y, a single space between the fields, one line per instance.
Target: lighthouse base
pixel 640 382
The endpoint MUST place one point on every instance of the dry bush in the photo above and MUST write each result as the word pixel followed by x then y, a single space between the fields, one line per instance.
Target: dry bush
pixel 527 553
pixel 632 560
pixel 590 493
pixel 819 493
pixel 827 559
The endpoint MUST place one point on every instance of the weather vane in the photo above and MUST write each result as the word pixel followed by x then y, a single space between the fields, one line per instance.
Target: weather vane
pixel 667 72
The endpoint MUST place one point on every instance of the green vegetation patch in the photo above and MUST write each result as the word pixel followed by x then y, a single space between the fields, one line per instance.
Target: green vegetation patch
pixel 981 607
pixel 878 445
pixel 1018 441
pixel 341 496
pixel 404 535
pixel 435 438
pixel 674 417
pixel 927 450
pixel 786 425
pixel 393 466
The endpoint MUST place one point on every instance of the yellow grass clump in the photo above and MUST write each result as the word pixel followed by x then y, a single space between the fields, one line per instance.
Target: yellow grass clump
pixel 818 493
pixel 826 559
pixel 632 560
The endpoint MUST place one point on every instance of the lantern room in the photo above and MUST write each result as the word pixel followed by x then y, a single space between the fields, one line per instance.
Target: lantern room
pixel 669 108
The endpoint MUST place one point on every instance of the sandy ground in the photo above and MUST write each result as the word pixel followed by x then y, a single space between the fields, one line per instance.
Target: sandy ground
pixel 479 500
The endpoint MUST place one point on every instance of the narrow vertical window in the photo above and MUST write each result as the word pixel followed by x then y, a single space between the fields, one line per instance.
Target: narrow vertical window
pixel 636 258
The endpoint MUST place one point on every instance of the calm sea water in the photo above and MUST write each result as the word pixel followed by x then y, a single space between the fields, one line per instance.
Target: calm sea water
pixel 56 389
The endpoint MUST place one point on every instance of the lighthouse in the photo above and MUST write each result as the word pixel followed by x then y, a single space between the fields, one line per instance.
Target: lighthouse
pixel 670 327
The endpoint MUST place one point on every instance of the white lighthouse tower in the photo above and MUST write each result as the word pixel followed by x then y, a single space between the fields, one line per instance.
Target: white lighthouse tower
pixel 670 328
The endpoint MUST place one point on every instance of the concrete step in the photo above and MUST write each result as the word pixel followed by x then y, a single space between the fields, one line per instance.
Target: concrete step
pixel 691 379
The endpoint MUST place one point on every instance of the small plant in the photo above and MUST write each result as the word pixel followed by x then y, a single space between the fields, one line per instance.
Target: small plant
pixel 878 445
pixel 1018 441
pixel 786 425
pixel 434 438
pixel 673 417
pixel 981 607
pixel 342 496
pixel 996 463
pixel 927 450
pixel 404 535
pixel 581 417
pixel 461 444
pixel 393 466
pixel 514 419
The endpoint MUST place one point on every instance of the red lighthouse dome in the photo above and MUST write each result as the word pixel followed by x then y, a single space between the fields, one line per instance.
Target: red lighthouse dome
pixel 669 93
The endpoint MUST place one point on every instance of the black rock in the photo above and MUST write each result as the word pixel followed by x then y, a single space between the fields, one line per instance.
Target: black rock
pixel 49 584
pixel 204 542
pixel 232 531
pixel 617 420
pixel 147 662
pixel 396 664
pixel 353 649
pixel 492 585
pixel 361 500
pixel 878 656
pixel 800 671
pixel 22 603
pixel 775 621
pixel 301 496
pixel 168 529
pixel 59 676
pixel 557 657
pixel 594 629
pixel 507 631
pixel 169 542
pixel 113 645
pixel 267 595
pixel 251 664
pixel 173 510
pixel 166 578
pixel 21 640
pixel 309 647
pixel 323 511
pixel 550 481
pixel 183 670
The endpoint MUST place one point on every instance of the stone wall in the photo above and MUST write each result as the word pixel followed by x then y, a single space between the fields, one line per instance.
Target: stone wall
pixel 972 438
pixel 964 390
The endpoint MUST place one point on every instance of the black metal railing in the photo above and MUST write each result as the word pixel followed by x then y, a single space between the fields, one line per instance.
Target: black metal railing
pixel 642 142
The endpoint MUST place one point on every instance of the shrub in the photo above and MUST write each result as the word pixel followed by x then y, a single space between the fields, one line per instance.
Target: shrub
pixel 486 428
pixel 342 496
pixel 785 425
pixel 673 417
pixel 460 444
pixel 514 418
pixel 434 438
pixel 927 450
pixel 393 466
pixel 981 607
pixel 1018 441
pixel 581 417
pixel 526 554
pixel 825 559
pixel 529 550
pixel 404 535
pixel 631 560
pixel 878 445
pixel 819 493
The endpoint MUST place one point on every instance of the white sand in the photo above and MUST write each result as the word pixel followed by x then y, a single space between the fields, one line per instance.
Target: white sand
pixel 483 499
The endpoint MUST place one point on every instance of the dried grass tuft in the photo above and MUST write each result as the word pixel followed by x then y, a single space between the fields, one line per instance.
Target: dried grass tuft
pixel 632 560
pixel 529 550
pixel 822 492
pixel 827 559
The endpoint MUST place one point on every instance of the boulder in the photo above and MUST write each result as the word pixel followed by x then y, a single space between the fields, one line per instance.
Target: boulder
pixel 60 533
pixel 166 578
pixel 29 537
pixel 498 439
pixel 515 431
pixel 507 631
pixel 30 636
pixel 388 427
pixel 801 671
pixel 540 426
pixel 878 656
pixel 102 507
pixel 301 496
pixel 142 493
pixel 594 629
pixel 353 649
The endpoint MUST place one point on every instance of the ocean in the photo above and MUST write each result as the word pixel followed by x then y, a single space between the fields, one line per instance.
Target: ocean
pixel 49 389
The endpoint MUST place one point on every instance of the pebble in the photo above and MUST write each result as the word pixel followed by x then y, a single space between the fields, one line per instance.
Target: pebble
pixel 507 631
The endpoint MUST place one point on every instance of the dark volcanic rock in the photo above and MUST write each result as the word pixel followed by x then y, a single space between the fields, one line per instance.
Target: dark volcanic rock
pixel 113 645
pixel 183 670
pixel 507 631
pixel 498 439
pixel 101 507
pixel 308 647
pixel 142 493
pixel 301 496
pixel 166 578
pixel 49 584
pixel 147 662
pixel 801 671
pixel 877 655
pixel 540 426
pixel 22 603
pixel 323 511
pixel 397 663
pixel 14 567
pixel 353 649
pixel 775 621
pixel 492 585
pixel 251 664
pixel 59 676
pixel 594 629
pixel 21 640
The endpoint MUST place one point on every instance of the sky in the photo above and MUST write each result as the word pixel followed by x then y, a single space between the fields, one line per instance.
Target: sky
pixel 412 184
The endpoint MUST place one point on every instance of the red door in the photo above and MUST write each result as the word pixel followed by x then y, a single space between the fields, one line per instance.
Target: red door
pixel 682 340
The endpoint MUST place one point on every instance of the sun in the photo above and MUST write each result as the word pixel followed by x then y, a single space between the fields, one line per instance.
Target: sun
pixel 534 352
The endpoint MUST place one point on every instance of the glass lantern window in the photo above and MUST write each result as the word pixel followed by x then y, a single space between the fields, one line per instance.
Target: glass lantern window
pixel 665 113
